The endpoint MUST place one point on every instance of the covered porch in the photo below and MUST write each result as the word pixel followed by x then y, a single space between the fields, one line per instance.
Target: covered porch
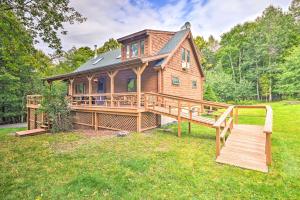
pixel 121 87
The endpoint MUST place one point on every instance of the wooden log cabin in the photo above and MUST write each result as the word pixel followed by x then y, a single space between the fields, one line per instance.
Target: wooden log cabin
pixel 108 90
pixel 154 76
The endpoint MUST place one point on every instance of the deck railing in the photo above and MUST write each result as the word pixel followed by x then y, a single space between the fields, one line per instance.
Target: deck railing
pixel 34 100
pixel 128 99
pixel 184 108
pixel 268 124
pixel 223 125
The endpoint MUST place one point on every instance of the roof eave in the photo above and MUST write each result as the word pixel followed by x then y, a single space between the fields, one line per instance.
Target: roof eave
pixel 98 69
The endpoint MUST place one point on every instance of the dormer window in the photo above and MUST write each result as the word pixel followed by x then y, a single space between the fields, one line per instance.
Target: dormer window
pixel 142 47
pixel 134 49
pixel 127 51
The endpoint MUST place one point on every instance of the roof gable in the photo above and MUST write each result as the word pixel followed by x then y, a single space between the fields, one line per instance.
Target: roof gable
pixel 174 43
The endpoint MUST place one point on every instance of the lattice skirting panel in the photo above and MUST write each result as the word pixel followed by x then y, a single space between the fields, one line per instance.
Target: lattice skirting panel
pixel 83 119
pixel 114 121
pixel 149 120
pixel 117 121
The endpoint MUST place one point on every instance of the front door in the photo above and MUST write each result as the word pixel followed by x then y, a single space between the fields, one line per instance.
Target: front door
pixel 101 89
pixel 102 85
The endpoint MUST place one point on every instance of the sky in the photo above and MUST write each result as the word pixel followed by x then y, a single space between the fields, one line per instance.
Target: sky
pixel 117 18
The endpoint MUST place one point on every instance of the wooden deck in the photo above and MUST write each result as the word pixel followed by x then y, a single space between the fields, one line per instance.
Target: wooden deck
pixel 245 148
pixel 31 132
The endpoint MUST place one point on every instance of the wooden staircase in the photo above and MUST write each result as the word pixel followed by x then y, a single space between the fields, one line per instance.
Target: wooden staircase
pixel 246 146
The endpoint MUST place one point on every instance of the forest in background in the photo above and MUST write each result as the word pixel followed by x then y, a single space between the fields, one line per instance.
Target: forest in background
pixel 257 60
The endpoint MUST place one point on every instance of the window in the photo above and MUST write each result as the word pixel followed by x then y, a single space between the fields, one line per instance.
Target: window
pixel 175 81
pixel 127 51
pixel 134 50
pixel 194 84
pixel 182 55
pixel 98 60
pixel 80 88
pixel 101 85
pixel 142 46
pixel 131 85
pixel 188 58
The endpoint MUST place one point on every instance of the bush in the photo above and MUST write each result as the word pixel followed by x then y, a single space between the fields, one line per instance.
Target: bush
pixel 209 94
pixel 55 106
pixel 226 89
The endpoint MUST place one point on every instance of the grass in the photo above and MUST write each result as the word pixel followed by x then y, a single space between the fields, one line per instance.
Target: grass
pixel 155 165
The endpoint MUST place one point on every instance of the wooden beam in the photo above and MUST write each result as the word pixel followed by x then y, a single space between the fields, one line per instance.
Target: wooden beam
pixel 112 75
pixel 139 122
pixel 28 118
pixel 159 77
pixel 218 145
pixel 90 78
pixel 138 71
pixel 71 87
pixel 96 121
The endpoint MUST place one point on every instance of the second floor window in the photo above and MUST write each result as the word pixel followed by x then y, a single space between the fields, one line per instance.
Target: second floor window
pixel 134 50
pixel 188 58
pixel 182 55
pixel 142 47
pixel 127 51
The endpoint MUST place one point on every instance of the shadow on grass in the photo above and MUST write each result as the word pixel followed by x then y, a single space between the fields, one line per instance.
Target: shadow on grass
pixel 202 133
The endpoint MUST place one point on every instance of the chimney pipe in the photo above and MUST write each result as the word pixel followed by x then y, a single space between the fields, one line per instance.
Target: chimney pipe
pixel 95 56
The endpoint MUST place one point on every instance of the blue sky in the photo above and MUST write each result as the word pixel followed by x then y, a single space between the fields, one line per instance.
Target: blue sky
pixel 116 18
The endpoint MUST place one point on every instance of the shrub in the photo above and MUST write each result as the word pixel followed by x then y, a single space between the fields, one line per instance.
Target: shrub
pixel 209 94
pixel 55 106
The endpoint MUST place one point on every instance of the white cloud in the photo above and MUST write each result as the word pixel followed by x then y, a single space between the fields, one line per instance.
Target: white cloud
pixel 117 18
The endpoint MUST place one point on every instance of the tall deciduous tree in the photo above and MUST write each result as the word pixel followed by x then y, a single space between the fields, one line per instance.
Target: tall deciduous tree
pixel 43 19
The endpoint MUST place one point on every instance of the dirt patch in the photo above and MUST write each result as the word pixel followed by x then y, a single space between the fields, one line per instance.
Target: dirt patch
pixel 100 132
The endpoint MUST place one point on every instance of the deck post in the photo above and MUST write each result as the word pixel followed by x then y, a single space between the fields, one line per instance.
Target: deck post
pixel 179 118
pixel 231 123
pixel 138 71
pixel 112 75
pixel 90 89
pixel 190 117
pixel 28 118
pixel 71 87
pixel 139 122
pixel 96 121
pixel 218 147
pixel 268 149
pixel 35 119
pixel 236 119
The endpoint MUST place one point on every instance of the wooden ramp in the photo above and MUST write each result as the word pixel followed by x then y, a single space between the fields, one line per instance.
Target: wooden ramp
pixel 31 132
pixel 245 148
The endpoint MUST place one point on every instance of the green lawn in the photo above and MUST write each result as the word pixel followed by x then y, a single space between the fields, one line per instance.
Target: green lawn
pixel 155 165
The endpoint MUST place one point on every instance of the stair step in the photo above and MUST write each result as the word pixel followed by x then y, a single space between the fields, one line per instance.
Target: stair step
pixel 31 132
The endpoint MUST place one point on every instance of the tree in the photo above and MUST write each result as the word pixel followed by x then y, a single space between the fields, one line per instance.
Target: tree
pixel 72 59
pixel 295 9
pixel 42 19
pixel 209 94
pixel 18 76
pixel 55 105
pixel 289 77
pixel 109 45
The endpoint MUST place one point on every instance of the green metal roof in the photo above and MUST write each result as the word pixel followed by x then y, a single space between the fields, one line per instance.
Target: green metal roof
pixel 173 42
pixel 102 60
